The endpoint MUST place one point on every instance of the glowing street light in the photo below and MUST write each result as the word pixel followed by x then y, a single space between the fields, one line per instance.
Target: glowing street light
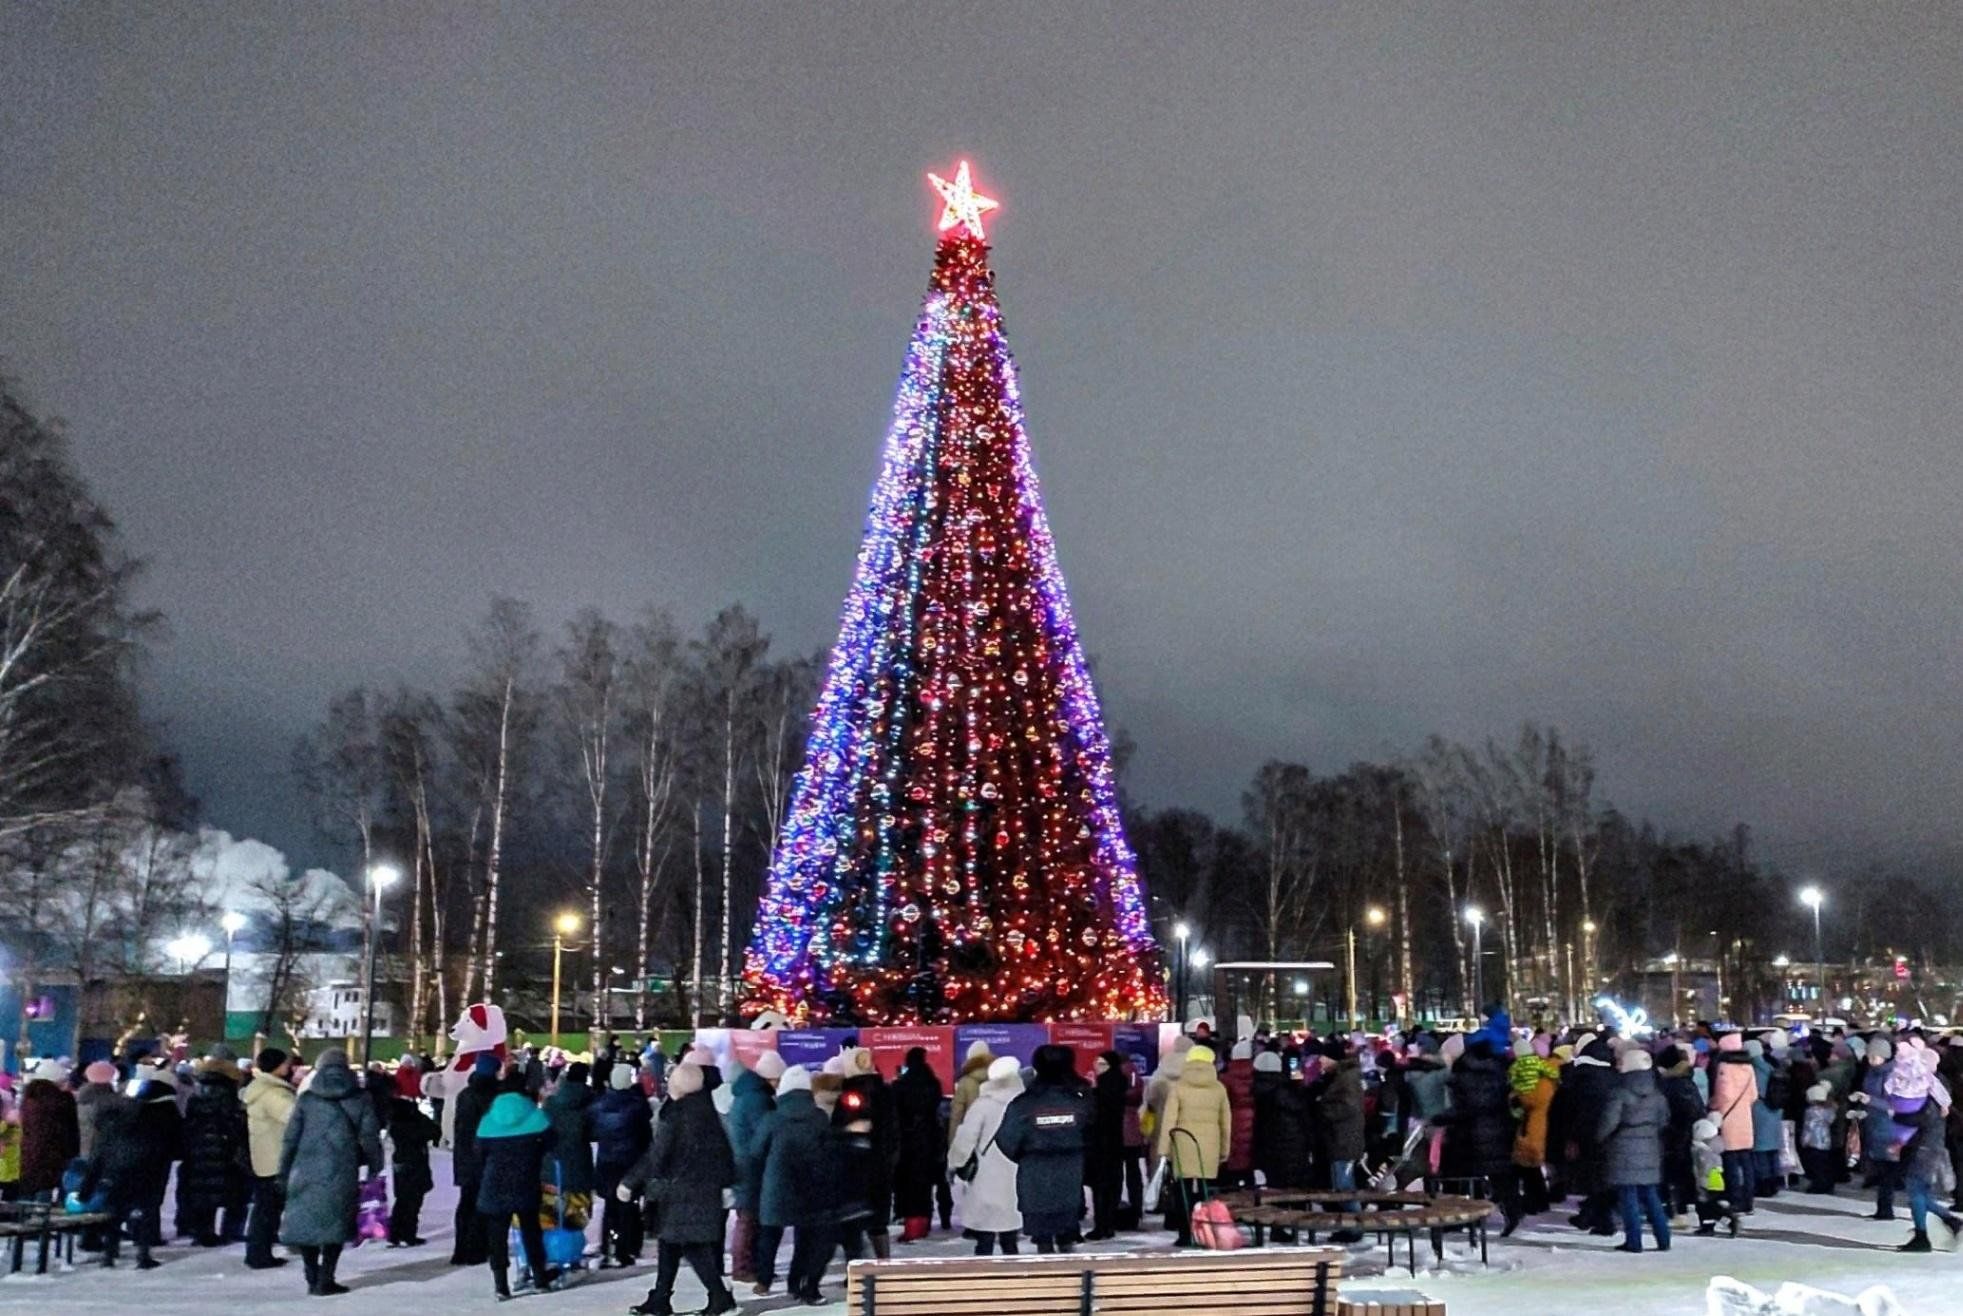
pixel 1182 932
pixel 564 926
pixel 380 878
pixel 187 949
pixel 1477 917
pixel 1813 897
pixel 232 923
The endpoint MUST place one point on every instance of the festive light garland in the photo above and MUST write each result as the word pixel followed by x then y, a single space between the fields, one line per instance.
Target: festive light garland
pixel 953 848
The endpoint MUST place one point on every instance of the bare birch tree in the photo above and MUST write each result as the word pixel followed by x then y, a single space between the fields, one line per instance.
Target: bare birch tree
pixel 654 725
pixel 496 718
pixel 589 698
pixel 726 661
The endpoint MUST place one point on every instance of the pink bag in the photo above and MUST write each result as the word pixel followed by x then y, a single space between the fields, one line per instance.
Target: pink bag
pixel 372 1215
pixel 1214 1228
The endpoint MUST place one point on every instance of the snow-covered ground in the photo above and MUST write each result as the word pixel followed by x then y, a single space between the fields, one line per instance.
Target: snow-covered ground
pixel 1546 1268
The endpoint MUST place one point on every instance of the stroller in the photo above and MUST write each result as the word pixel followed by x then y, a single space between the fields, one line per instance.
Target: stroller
pixel 565 1248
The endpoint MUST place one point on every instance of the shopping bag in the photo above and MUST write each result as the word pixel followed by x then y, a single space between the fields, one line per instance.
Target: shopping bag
pixel 1156 1185
pixel 372 1213
pixel 1788 1148
pixel 565 1245
pixel 1214 1227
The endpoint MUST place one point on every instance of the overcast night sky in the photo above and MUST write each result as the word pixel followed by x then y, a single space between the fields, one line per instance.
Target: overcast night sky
pixel 1390 369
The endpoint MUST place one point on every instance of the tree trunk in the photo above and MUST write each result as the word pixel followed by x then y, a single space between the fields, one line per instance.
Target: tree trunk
pixel 495 852
pixel 1404 975
pixel 723 984
pixel 695 973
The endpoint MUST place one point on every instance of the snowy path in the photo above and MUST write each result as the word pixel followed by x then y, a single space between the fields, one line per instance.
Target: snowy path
pixel 1547 1268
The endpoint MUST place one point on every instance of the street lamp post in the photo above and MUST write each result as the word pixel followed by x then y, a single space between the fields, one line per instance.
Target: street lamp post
pixel 562 927
pixel 1201 958
pixel 380 878
pixel 1375 918
pixel 1587 963
pixel 233 923
pixel 1477 917
pixel 1813 897
pixel 1182 932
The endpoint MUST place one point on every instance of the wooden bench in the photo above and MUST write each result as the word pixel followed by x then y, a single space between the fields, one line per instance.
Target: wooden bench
pixel 49 1226
pixel 1271 1282
pixel 1387 1215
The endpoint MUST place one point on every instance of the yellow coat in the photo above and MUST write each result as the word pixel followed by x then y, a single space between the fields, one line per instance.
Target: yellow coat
pixel 1197 1105
pixel 268 1105
pixel 1535 1098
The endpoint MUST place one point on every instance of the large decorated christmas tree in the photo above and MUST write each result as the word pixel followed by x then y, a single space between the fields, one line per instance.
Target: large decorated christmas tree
pixel 954 849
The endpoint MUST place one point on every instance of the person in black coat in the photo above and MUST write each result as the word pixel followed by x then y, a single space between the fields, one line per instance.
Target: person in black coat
pixel 684 1172
pixel 466 1168
pixel 868 1097
pixel 410 1134
pixel 215 1175
pixel 120 1172
pixel 623 1126
pixel 1104 1161
pixel 1044 1132
pixel 511 1143
pixel 1573 1120
pixel 922 1145
pixel 1479 1125
pixel 1673 1077
pixel 794 1150
pixel 1283 1137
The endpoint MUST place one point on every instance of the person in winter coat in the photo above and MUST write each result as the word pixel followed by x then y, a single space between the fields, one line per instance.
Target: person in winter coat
pixel 1880 1140
pixel 1673 1079
pixel 1237 1170
pixel 1534 1079
pixel 968 1086
pixel 410 1134
pixel 50 1132
pixel 1479 1125
pixel 1044 1132
pixel 1339 1110
pixel 1282 1117
pixel 332 1134
pixel 1104 1160
pixel 1816 1139
pixel 160 1135
pixel 119 1175
pixel 268 1101
pixel 468 1108
pixel 1136 1144
pixel 1158 1090
pixel 752 1097
pixel 623 1126
pixel 217 1155
pixel 792 1149
pixel 1196 1131
pixel 1630 1132
pixel 568 1169
pixel 989 1209
pixel 684 1173
pixel 1734 1091
pixel 922 1145
pixel 99 1082
pixel 512 1140
pixel 866 1097
pixel 1573 1118
pixel 1768 1134
pixel 1924 1159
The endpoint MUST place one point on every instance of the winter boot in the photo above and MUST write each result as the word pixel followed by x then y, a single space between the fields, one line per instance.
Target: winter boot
pixel 310 1263
pixel 882 1245
pixel 1918 1242
pixel 501 1283
pixel 330 1259
pixel 652 1306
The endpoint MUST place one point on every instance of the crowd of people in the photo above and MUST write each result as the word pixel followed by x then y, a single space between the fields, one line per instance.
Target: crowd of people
pixel 1652 1131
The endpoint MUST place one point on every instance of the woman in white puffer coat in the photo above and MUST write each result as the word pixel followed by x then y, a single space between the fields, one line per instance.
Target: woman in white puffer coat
pixel 988 1208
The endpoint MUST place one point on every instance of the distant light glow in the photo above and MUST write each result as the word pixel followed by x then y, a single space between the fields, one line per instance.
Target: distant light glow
pixel 384 876
pixel 964 207
pixel 1629 1022
pixel 233 922
pixel 1812 897
pixel 1475 915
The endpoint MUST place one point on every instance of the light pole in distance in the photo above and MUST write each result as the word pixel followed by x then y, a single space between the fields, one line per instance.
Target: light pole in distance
pixel 380 878
pixel 233 923
pixel 1813 897
pixel 1182 932
pixel 1201 959
pixel 1477 917
pixel 562 927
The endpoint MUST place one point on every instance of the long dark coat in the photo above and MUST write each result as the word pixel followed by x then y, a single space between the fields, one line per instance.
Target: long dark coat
pixel 750 1100
pixel 332 1135
pixel 1339 1105
pixel 465 1164
pixel 1044 1132
pixel 217 1150
pixel 570 1152
pixel 1479 1125
pixel 410 1134
pixel 1576 1116
pixel 922 1141
pixel 1104 1156
pixel 50 1136
pixel 685 1171
pixel 511 1179
pixel 793 1148
pixel 1630 1131
pixel 623 1126
pixel 1284 1137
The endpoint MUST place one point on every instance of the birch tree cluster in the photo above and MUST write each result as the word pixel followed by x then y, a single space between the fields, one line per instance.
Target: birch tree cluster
pixel 622 779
